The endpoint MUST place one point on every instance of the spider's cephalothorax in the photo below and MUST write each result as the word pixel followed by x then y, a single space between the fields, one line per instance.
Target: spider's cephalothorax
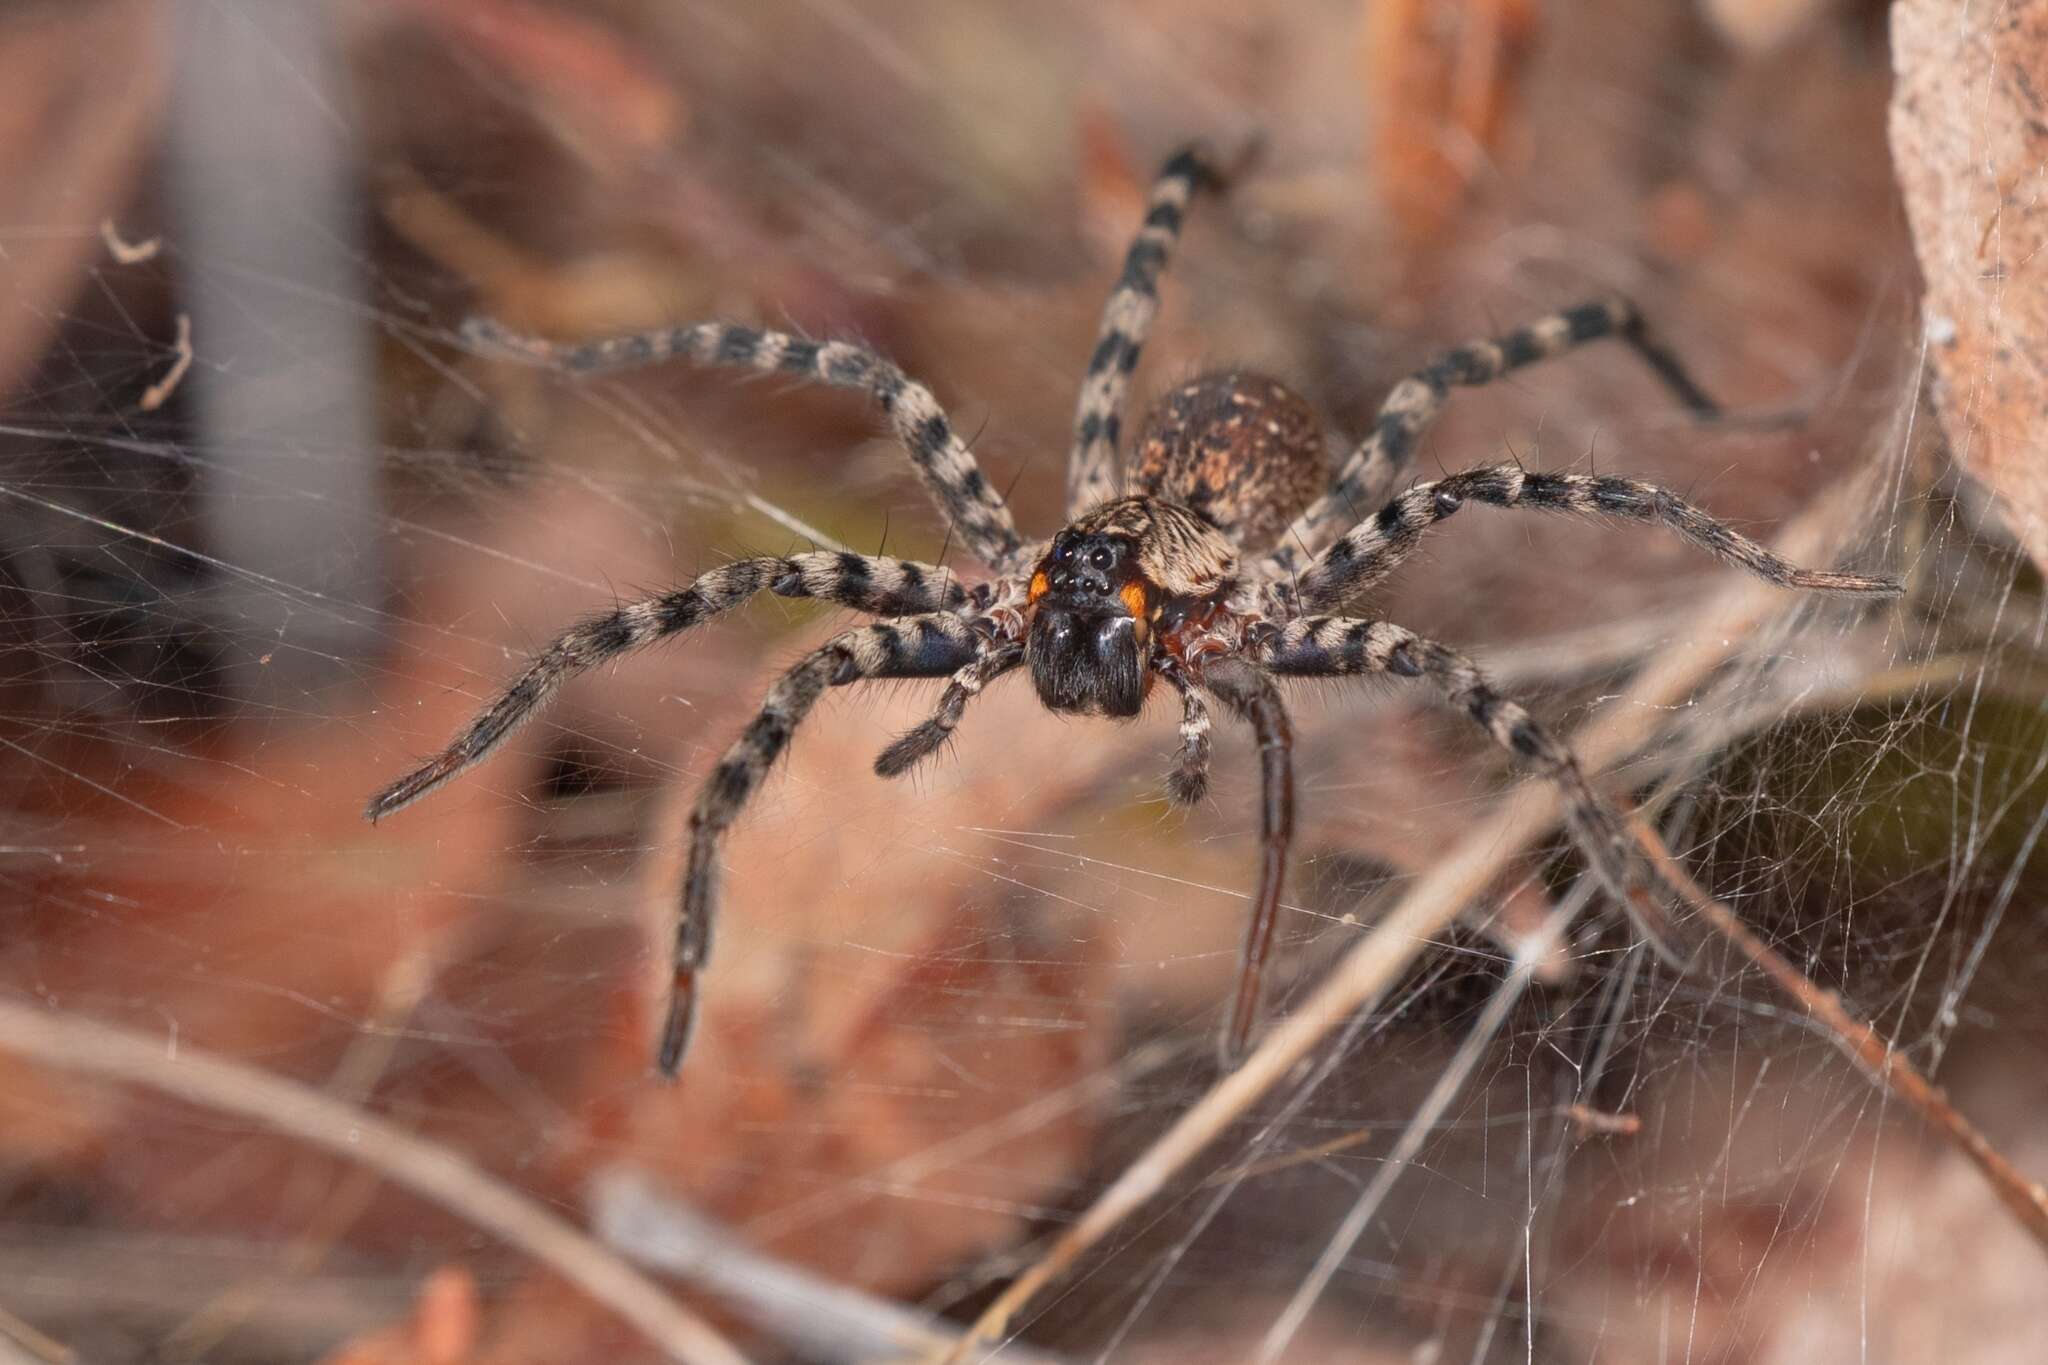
pixel 1223 463
pixel 1099 596
pixel 1224 559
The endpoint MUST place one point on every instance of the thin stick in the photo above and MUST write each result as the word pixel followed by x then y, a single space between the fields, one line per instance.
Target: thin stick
pixel 1884 1064
pixel 157 394
pixel 816 1318
pixel 790 521
pixel 126 252
pixel 430 1169
pixel 405 983
pixel 32 1345
pixel 1527 813
pixel 1535 951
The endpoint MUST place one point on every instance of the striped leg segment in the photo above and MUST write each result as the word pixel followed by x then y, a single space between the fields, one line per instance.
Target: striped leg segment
pixel 1377 464
pixel 931 736
pixel 1250 695
pixel 883 586
pixel 1188 783
pixel 964 496
pixel 1372 549
pixel 1098 421
pixel 918 647
pixel 1335 646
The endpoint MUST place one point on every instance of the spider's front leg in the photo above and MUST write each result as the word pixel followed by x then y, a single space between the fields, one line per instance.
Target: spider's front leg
pixel 876 584
pixel 1336 646
pixel 919 647
pixel 928 738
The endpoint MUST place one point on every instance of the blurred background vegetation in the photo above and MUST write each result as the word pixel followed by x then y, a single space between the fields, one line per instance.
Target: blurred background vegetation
pixel 241 588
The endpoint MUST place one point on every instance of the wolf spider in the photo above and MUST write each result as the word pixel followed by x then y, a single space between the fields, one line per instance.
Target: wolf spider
pixel 1219 562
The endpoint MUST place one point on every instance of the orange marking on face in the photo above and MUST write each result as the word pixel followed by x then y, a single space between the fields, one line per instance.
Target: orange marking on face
pixel 1038 585
pixel 1134 598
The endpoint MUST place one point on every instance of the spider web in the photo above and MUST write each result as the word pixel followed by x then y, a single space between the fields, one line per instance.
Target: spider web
pixel 243 588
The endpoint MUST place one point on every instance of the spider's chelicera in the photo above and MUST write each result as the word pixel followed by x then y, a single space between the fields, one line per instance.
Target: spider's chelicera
pixel 1222 557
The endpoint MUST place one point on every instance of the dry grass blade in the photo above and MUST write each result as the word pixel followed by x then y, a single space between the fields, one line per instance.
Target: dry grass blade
pixel 1534 952
pixel 159 393
pixel 21 1341
pixel 434 1171
pixel 1525 815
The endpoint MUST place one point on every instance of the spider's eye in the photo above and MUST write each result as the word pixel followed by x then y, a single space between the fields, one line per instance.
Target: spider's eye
pixel 1101 559
pixel 1063 551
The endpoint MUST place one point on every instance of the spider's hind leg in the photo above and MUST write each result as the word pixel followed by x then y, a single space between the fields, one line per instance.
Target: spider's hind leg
pixel 1335 646
pixel 1378 462
pixel 1250 694
pixel 1375 547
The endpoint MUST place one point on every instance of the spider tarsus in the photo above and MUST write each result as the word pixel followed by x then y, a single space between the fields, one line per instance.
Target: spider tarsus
pixel 1233 1040
pixel 1770 419
pixel 910 750
pixel 1613 864
pixel 405 791
pixel 676 1027
pixel 1226 165
pixel 1665 364
pixel 1187 787
pixel 1846 584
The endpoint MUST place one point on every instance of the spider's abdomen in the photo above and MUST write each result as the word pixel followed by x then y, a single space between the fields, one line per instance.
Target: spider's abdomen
pixel 1243 450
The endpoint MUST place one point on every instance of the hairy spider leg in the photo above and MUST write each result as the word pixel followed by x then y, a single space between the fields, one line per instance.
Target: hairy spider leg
pixel 972 506
pixel 1126 318
pixel 931 735
pixel 1250 694
pixel 1370 472
pixel 916 647
pixel 1371 550
pixel 870 583
pixel 1336 646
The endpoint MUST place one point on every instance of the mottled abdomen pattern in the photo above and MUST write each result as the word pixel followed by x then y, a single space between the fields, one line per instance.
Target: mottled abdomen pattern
pixel 1243 450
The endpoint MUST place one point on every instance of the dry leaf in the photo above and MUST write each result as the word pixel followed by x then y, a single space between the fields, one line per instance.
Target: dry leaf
pixel 1969 133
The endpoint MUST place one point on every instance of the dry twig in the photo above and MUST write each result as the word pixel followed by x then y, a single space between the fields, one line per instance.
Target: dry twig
pixel 19 1339
pixel 821 1321
pixel 437 1172
pixel 159 393
pixel 1589 1122
pixel 1883 1063
pixel 126 252
pixel 1535 951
